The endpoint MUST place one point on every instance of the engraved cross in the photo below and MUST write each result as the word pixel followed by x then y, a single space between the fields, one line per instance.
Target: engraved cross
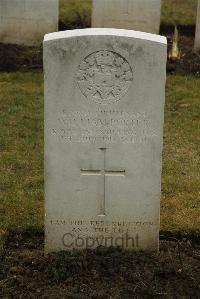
pixel 104 173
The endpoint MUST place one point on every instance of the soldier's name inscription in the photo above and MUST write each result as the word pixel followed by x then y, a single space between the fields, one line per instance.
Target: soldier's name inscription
pixel 106 125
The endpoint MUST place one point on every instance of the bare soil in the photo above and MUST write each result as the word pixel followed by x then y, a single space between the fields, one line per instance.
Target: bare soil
pixel 20 58
pixel 25 272
pixel 189 62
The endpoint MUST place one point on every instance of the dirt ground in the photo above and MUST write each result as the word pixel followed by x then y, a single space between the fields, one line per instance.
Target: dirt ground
pixel 189 62
pixel 19 58
pixel 25 272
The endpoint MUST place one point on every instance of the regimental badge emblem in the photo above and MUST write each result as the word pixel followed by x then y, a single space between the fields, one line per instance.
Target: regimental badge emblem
pixel 104 76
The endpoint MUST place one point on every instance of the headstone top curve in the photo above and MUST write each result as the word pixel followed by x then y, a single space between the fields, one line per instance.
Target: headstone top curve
pixel 105 32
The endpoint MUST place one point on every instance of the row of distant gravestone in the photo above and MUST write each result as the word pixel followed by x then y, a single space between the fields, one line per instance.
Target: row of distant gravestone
pixel 26 21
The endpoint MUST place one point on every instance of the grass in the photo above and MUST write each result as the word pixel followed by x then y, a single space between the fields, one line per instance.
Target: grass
pixel 21 154
pixel 179 12
pixel 173 12
pixel 76 11
pixel 180 206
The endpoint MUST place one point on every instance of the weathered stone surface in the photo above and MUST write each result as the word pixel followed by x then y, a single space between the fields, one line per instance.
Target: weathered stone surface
pixel 141 15
pixel 104 104
pixel 197 34
pixel 25 22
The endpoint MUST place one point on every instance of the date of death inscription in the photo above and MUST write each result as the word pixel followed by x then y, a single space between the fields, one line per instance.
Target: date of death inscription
pixel 107 126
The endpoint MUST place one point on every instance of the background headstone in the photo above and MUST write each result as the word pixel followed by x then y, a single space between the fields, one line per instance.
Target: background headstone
pixel 141 15
pixel 24 22
pixel 197 34
pixel 104 106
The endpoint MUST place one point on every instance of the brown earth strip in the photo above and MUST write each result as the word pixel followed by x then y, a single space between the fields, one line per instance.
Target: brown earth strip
pixel 25 272
pixel 20 58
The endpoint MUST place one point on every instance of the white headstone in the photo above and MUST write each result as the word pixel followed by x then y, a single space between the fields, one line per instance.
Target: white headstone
pixel 104 105
pixel 141 15
pixel 25 22
pixel 197 35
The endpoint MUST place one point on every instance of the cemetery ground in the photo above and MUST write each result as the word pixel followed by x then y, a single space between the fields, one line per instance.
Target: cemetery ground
pixel 26 273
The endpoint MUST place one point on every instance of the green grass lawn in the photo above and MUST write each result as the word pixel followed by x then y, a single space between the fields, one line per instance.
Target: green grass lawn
pixel 180 206
pixel 173 11
pixel 21 154
pixel 76 11
pixel 179 12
